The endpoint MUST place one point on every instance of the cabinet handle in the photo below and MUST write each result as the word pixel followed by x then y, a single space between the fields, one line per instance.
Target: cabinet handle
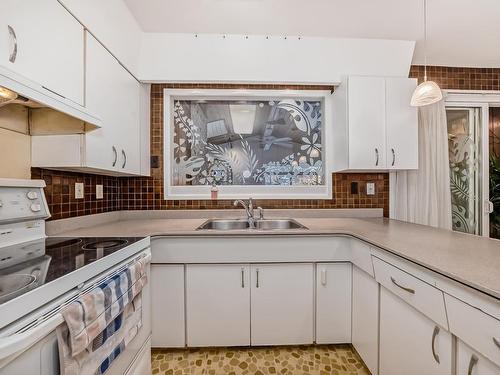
pixel 323 277
pixel 434 335
pixel 116 155
pixel 124 159
pixel 393 157
pixel 376 155
pixel 13 53
pixel 473 361
pixel 242 277
pixel 409 290
pixel 496 342
pixel 257 284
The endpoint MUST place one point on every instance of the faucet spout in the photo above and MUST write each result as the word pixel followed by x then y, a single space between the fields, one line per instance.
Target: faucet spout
pixel 248 210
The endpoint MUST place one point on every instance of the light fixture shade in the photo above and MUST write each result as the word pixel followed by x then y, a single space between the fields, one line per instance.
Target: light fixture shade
pixel 6 95
pixel 428 92
pixel 243 117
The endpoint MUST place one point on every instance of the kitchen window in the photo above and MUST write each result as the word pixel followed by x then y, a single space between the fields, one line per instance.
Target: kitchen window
pixel 263 144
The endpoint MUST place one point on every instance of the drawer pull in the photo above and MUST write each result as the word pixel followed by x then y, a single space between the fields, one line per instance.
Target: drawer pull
pixel 434 335
pixel 242 277
pixel 472 363
pixel 496 342
pixel 409 290
pixel 257 284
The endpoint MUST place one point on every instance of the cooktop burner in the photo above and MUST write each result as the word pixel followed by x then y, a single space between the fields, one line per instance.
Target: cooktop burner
pixel 26 266
pixel 104 244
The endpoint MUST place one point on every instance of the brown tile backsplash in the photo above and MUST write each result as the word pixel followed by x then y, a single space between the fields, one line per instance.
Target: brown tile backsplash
pixel 60 193
pixel 147 192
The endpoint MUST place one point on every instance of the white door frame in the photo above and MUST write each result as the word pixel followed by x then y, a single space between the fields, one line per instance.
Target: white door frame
pixel 483 100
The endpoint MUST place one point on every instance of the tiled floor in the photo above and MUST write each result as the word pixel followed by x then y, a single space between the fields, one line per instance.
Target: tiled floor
pixel 321 360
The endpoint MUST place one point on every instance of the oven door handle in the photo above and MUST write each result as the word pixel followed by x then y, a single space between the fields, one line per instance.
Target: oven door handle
pixel 13 345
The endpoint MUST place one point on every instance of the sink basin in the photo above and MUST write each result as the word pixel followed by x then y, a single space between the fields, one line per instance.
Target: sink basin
pixel 241 224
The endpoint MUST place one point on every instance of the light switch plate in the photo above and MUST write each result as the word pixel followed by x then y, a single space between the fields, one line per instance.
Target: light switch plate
pixel 370 188
pixel 99 193
pixel 79 190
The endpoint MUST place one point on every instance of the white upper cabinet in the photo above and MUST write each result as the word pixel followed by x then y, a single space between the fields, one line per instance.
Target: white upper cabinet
pixel 375 128
pixel 401 124
pixel 121 145
pixel 114 95
pixel 43 46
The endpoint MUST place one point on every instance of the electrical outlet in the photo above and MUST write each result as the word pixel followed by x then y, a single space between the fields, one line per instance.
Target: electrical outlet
pixel 79 190
pixel 99 194
pixel 370 188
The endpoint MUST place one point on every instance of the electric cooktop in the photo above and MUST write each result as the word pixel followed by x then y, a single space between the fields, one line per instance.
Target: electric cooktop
pixel 26 266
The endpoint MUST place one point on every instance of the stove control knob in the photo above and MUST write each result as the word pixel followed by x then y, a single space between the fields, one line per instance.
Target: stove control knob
pixel 32 195
pixel 35 207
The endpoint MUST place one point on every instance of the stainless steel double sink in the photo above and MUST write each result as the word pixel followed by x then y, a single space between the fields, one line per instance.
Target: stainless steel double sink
pixel 242 224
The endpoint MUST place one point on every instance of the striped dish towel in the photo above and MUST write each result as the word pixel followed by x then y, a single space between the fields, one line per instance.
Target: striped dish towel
pixel 101 323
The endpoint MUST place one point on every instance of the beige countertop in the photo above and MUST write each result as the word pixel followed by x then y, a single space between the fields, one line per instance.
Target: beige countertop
pixel 471 260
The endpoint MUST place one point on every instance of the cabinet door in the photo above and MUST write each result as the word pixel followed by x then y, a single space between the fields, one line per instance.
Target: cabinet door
pixel 366 117
pixel 102 98
pixel 167 315
pixel 365 298
pixel 128 116
pixel 401 124
pixel 282 304
pixel 411 343
pixel 333 303
pixel 470 362
pixel 49 42
pixel 218 305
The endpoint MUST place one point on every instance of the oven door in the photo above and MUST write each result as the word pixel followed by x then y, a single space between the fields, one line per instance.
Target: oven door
pixel 42 358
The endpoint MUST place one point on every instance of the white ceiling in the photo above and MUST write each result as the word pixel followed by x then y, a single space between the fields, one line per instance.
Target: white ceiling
pixel 460 32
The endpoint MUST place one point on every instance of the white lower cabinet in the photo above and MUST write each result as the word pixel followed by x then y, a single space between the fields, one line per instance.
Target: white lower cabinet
pixel 470 362
pixel 411 343
pixel 167 295
pixel 365 317
pixel 218 304
pixel 333 303
pixel 282 304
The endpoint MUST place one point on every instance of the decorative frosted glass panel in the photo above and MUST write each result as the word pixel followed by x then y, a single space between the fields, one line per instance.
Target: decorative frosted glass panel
pixel 464 168
pixel 247 142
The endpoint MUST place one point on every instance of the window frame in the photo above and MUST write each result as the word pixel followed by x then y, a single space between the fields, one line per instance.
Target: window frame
pixel 203 192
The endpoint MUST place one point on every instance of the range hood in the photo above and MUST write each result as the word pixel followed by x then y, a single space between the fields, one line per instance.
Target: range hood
pixel 24 115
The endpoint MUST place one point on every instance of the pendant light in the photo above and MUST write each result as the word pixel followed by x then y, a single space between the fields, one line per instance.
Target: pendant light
pixel 428 92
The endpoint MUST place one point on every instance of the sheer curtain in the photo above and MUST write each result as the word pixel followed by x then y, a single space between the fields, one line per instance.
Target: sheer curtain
pixel 423 196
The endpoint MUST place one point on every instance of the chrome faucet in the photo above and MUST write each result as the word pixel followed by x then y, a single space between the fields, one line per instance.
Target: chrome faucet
pixel 248 209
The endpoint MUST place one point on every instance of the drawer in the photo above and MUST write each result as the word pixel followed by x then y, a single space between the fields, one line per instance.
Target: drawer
pixel 361 256
pixel 477 329
pixel 417 293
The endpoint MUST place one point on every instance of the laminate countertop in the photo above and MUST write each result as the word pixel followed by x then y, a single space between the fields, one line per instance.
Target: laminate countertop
pixel 468 259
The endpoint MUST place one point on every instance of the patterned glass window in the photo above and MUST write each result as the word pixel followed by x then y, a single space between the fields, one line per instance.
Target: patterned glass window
pixel 264 142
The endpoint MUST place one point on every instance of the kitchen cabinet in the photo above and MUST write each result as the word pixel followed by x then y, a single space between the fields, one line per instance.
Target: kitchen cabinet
pixel 333 303
pixel 282 304
pixel 365 317
pixel 167 316
pixel 42 45
pixel 411 343
pixel 218 305
pixel 375 128
pixel 470 362
pixel 114 95
pixel 120 146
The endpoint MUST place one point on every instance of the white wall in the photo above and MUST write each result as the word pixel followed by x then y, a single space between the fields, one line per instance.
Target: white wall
pixel 237 58
pixel 15 154
pixel 113 25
